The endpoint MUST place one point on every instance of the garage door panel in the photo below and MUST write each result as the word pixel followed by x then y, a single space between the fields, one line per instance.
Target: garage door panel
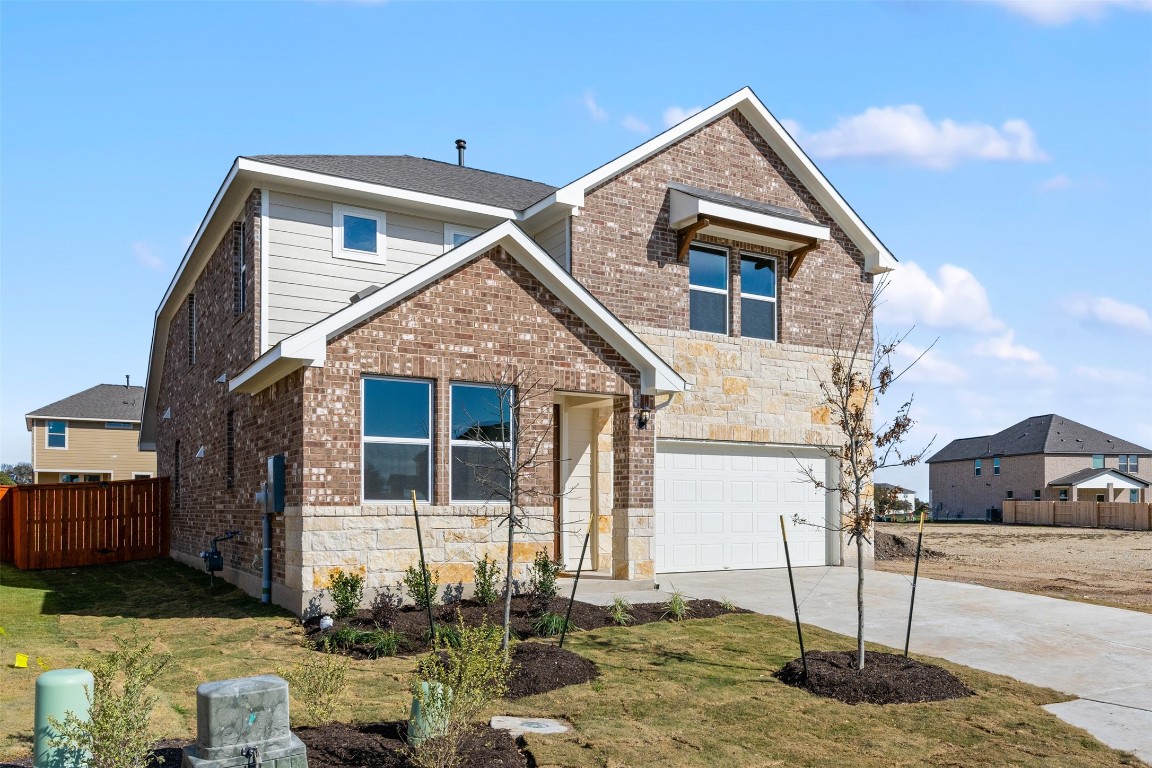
pixel 718 506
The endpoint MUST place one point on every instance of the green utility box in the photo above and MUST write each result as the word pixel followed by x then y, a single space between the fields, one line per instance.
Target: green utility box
pixel 57 693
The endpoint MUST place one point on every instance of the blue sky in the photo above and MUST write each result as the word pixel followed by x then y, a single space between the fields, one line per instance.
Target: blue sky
pixel 1000 149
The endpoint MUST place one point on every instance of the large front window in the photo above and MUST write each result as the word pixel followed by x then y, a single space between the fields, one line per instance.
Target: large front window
pixel 758 298
pixel 708 289
pixel 481 442
pixel 397 450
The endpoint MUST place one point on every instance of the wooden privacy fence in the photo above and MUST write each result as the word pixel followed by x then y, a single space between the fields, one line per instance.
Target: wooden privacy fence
pixel 1080 514
pixel 70 524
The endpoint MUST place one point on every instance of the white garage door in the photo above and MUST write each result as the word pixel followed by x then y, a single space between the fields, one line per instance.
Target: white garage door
pixel 718 506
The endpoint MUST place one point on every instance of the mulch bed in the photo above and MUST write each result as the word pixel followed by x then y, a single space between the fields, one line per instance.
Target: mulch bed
pixel 412 623
pixel 543 667
pixel 890 546
pixel 383 745
pixel 886 678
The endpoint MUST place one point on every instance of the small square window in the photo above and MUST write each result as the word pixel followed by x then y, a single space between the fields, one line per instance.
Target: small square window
pixel 1097 461
pixel 57 435
pixel 1008 494
pixel 456 235
pixel 1036 495
pixel 358 234
pixel 1063 494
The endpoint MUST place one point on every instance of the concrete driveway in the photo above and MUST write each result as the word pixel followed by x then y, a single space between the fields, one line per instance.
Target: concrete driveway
pixel 1101 655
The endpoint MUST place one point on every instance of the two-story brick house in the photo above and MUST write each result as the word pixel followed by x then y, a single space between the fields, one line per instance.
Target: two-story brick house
pixel 352 313
pixel 1042 458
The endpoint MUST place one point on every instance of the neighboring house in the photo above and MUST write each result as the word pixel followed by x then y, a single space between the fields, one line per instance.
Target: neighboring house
pixel 349 312
pixel 90 437
pixel 1043 458
pixel 899 493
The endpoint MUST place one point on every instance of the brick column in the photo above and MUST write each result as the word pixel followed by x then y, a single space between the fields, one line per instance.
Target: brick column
pixel 634 451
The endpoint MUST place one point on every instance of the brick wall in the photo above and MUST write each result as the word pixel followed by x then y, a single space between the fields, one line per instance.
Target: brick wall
pixel 264 424
pixel 625 253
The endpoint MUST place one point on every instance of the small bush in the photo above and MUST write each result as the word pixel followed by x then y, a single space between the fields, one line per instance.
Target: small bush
pixel 620 611
pixel 421 585
pixel 344 638
pixel 382 643
pixel 551 624
pixel 116 733
pixel 488 575
pixel 727 604
pixel 347 590
pixel 446 635
pixel 453 593
pixel 385 606
pixel 542 577
pixel 677 607
pixel 317 683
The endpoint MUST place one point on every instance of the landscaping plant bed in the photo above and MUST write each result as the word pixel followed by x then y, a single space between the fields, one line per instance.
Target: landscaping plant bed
pixel 358 636
pixel 887 678
pixel 543 667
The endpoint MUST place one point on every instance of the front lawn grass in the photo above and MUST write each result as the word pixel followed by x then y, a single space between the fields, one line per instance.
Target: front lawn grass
pixel 698 693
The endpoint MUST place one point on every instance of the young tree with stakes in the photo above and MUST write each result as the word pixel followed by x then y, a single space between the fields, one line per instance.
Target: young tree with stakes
pixel 516 437
pixel 861 371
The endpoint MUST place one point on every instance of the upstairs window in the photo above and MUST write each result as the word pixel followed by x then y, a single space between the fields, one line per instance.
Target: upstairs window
pixel 397 444
pixel 995 465
pixel 358 234
pixel 1129 463
pixel 239 270
pixel 456 235
pixel 481 442
pixel 979 466
pixel 57 434
pixel 708 289
pixel 1097 461
pixel 758 298
pixel 118 425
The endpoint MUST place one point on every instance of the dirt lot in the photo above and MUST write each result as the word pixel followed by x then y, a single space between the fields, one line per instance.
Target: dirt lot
pixel 1087 564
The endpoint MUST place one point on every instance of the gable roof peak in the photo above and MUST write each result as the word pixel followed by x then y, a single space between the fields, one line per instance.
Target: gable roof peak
pixel 1047 434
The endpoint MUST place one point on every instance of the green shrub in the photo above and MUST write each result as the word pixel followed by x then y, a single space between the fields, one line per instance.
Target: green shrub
pixel 116 733
pixel 347 590
pixel 317 683
pixel 677 607
pixel 727 604
pixel 488 575
pixel 620 611
pixel 475 671
pixel 382 643
pixel 421 585
pixel 551 624
pixel 446 635
pixel 344 638
pixel 542 577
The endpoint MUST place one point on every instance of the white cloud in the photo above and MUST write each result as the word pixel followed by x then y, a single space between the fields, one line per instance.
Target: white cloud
pixel 930 368
pixel 955 300
pixel 598 113
pixel 1004 347
pixel 145 257
pixel 674 115
pixel 905 133
pixel 1101 310
pixel 1113 376
pixel 1057 12
pixel 1055 184
pixel 635 124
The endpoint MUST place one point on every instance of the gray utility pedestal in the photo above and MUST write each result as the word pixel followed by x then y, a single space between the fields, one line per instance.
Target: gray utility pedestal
pixel 244 722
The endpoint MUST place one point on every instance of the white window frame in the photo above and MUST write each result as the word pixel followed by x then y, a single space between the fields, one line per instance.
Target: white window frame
pixel 726 292
pixel 509 446
pixel 339 211
pixel 1129 463
pixel 451 230
pixel 752 256
pixel 429 441
pixel 47 434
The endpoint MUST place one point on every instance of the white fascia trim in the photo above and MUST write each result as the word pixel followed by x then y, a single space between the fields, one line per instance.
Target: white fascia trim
pixel 876 255
pixel 76 418
pixel 684 208
pixel 368 188
pixel 309 346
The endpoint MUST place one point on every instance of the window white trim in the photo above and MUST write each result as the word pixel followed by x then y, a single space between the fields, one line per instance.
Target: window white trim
pixel 48 434
pixel 451 230
pixel 753 256
pixel 339 211
pixel 508 446
pixel 429 441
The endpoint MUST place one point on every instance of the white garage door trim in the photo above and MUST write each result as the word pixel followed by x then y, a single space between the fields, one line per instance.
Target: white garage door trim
pixel 718 507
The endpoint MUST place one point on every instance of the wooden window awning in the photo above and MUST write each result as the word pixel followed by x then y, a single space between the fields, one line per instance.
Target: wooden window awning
pixel 694 211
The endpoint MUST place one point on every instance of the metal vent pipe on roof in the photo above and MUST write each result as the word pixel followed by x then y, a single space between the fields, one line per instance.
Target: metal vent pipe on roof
pixel 461 145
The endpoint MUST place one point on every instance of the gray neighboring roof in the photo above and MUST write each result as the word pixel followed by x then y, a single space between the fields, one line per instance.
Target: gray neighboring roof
pixel 419 174
pixel 748 205
pixel 1049 434
pixel 1088 474
pixel 103 402
pixel 889 486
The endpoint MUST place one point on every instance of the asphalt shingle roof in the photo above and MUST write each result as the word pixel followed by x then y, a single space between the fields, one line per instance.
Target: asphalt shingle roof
pixel 1050 434
pixel 111 402
pixel 748 205
pixel 419 174
pixel 1088 474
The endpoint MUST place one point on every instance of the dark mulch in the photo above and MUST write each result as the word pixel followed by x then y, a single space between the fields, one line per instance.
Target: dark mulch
pixel 383 745
pixel 890 546
pixel 886 678
pixel 412 623
pixel 542 667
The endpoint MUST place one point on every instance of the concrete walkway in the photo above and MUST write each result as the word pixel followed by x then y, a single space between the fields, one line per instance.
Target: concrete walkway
pixel 1101 655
